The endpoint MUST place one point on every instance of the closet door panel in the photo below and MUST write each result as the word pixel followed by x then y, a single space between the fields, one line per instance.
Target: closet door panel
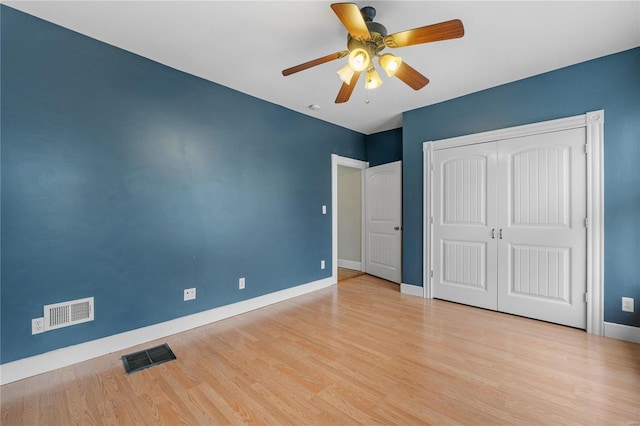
pixel 464 245
pixel 542 235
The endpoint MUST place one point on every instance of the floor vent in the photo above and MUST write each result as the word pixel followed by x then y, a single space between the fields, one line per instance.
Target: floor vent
pixel 65 314
pixel 147 358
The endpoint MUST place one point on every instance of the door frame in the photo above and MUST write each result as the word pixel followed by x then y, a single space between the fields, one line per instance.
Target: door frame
pixel 594 123
pixel 336 161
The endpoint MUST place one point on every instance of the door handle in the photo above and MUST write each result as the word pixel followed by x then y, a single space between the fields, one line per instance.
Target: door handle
pixel 493 233
pixel 501 233
pixel 397 228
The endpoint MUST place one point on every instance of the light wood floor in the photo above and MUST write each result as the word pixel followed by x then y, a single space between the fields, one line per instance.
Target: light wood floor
pixel 358 352
pixel 345 274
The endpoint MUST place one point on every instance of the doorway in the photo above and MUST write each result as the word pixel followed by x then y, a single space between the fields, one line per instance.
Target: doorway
pixel 350 170
pixel 350 212
pixel 381 217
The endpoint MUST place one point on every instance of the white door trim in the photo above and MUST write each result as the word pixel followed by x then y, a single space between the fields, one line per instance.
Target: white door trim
pixel 594 124
pixel 336 161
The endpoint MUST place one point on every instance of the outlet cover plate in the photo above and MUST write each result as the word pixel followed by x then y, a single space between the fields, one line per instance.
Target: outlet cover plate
pixel 189 293
pixel 37 325
pixel 627 304
pixel 241 284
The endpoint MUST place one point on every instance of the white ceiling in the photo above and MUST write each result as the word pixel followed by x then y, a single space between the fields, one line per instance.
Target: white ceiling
pixel 245 45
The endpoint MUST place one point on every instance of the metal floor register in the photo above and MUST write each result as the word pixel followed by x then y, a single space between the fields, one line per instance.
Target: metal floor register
pixel 147 358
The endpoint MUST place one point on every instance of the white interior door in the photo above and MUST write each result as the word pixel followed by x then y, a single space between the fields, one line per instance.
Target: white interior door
pixel 383 221
pixel 464 231
pixel 542 235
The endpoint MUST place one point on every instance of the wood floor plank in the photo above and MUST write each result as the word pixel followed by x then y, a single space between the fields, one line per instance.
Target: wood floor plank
pixel 356 353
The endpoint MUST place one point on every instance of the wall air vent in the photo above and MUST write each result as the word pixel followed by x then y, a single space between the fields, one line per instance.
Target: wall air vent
pixel 65 314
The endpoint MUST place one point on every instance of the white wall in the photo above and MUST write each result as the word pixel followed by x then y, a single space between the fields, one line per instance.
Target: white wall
pixel 349 217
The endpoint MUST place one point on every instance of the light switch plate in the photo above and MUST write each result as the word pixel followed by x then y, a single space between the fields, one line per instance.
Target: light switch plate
pixel 627 304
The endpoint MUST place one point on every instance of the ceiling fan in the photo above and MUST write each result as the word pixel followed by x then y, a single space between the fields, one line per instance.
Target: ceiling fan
pixel 366 39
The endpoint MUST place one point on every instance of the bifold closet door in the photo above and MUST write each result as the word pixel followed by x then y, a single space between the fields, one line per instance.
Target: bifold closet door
pixel 541 221
pixel 509 226
pixel 464 231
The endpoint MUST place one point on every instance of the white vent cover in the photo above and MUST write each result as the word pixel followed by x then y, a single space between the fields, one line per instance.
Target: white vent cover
pixel 65 314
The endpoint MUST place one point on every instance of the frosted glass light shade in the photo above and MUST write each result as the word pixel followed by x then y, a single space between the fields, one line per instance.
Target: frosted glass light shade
pixel 346 73
pixel 373 79
pixel 390 63
pixel 359 59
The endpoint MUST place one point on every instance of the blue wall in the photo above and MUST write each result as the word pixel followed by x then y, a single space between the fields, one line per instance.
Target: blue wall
pixel 129 181
pixel 384 147
pixel 611 83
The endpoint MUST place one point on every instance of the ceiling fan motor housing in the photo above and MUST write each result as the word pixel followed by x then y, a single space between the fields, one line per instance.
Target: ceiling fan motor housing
pixel 378 32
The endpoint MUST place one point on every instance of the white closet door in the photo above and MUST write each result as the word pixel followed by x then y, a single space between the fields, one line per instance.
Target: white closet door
pixel 464 214
pixel 383 221
pixel 542 235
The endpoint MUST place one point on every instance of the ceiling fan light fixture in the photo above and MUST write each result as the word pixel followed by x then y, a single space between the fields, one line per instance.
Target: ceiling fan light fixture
pixel 373 79
pixel 359 59
pixel 346 73
pixel 390 63
pixel 366 39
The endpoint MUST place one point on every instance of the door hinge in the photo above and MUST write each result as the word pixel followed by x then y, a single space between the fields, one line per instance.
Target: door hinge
pixel 586 148
pixel 586 222
pixel 431 273
pixel 431 166
pixel 586 297
pixel 431 220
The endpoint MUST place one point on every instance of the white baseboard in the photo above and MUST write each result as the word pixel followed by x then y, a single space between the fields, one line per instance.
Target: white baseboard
pixel 59 358
pixel 622 332
pixel 350 264
pixel 413 290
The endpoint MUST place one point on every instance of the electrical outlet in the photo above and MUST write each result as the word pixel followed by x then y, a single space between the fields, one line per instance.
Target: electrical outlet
pixel 322 264
pixel 241 284
pixel 189 293
pixel 37 325
pixel 324 209
pixel 627 304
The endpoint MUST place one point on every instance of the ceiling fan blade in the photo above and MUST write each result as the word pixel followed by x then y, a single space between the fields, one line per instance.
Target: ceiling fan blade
pixel 436 32
pixel 315 62
pixel 346 89
pixel 411 77
pixel 352 19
